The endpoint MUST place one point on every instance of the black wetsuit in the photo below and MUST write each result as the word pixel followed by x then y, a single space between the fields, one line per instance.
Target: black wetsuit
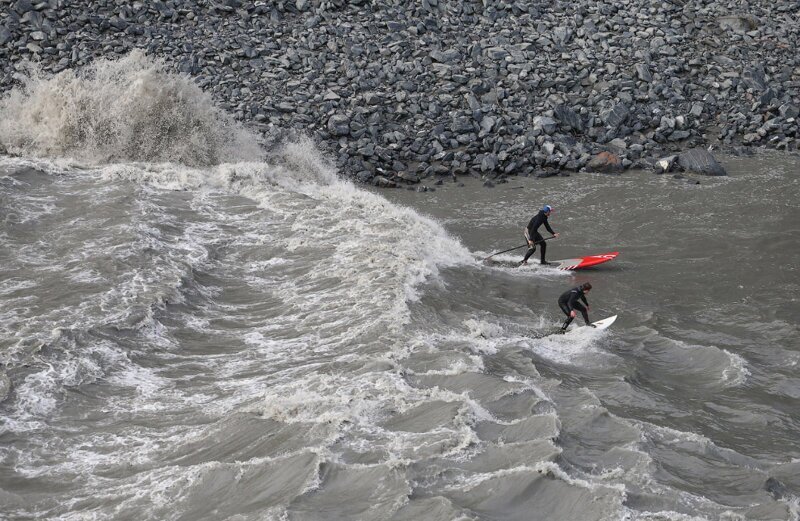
pixel 532 234
pixel 569 301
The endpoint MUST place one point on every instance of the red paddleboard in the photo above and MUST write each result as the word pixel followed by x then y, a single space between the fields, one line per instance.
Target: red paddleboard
pixel 578 263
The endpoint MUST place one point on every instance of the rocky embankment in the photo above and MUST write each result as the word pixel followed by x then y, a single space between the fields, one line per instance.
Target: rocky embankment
pixel 400 91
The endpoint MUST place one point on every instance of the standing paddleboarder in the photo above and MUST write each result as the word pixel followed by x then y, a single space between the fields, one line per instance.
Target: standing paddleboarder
pixel 569 303
pixel 533 236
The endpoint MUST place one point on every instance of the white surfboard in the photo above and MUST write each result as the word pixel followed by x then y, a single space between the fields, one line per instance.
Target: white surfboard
pixel 605 323
pixel 600 324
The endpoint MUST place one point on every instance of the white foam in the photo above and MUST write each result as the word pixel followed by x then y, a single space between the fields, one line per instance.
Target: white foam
pixel 131 109
pixel 569 348
pixel 663 515
pixel 737 372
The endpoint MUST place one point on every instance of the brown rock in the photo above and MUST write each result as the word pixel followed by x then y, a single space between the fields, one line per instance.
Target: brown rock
pixel 605 163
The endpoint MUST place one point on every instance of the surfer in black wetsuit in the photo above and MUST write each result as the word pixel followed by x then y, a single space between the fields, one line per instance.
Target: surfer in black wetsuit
pixel 569 302
pixel 533 236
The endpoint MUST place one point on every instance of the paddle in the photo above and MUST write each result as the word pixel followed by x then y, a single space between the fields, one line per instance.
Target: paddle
pixel 518 247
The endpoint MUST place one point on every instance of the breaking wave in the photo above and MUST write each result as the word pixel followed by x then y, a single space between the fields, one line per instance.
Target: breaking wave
pixel 131 109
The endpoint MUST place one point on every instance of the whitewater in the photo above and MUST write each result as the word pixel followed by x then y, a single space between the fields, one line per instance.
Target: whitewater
pixel 202 323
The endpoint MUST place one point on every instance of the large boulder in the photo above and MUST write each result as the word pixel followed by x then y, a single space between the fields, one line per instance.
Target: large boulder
pixel 605 163
pixel 738 23
pixel 700 161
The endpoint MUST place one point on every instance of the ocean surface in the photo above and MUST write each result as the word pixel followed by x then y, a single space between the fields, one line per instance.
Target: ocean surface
pixel 193 329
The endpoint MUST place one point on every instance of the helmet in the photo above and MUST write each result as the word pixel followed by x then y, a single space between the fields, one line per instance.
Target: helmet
pixel 547 208
pixel 586 286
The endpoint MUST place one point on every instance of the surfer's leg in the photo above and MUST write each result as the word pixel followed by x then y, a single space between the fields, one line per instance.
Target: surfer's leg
pixel 528 254
pixel 565 309
pixel 543 245
pixel 567 322
pixel 583 311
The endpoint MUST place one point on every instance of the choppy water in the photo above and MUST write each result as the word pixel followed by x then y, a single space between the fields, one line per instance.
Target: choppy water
pixel 264 341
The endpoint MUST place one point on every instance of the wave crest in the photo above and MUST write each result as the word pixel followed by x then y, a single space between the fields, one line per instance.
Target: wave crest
pixel 131 109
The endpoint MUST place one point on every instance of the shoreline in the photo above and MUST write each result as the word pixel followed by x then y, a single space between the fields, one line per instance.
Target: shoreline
pixel 440 89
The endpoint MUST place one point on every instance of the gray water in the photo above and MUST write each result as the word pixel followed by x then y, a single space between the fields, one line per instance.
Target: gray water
pixel 274 348
pixel 262 340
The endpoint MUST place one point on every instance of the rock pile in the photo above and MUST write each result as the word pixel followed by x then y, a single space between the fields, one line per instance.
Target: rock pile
pixel 404 90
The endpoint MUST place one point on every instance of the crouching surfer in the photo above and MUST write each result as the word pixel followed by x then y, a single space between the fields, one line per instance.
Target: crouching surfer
pixel 533 236
pixel 569 302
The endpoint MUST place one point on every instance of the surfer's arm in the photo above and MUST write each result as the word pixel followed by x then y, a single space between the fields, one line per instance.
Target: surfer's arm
pixel 547 225
pixel 583 298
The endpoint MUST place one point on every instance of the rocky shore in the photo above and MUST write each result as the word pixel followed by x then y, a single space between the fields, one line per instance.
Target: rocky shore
pixel 398 91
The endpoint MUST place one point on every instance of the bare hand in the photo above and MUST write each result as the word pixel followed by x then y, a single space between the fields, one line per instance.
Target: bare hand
pixel 572 313
pixel 556 235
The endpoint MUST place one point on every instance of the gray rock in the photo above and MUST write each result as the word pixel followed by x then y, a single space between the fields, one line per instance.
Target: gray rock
pixel 562 35
pixel 547 125
pixel 448 56
pixel 23 6
pixel 364 176
pixel 408 177
pixel 679 135
pixel 789 111
pixel 616 115
pixel 373 98
pixel 488 163
pixel 643 72
pixel 461 125
pixel 665 164
pixel 382 182
pixel 755 78
pixel 700 161
pixel 496 53
pixel 619 144
pixel 568 118
pixel 5 35
pixel 339 125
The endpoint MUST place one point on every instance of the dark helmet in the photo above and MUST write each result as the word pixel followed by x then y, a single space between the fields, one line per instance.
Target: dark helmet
pixel 586 286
